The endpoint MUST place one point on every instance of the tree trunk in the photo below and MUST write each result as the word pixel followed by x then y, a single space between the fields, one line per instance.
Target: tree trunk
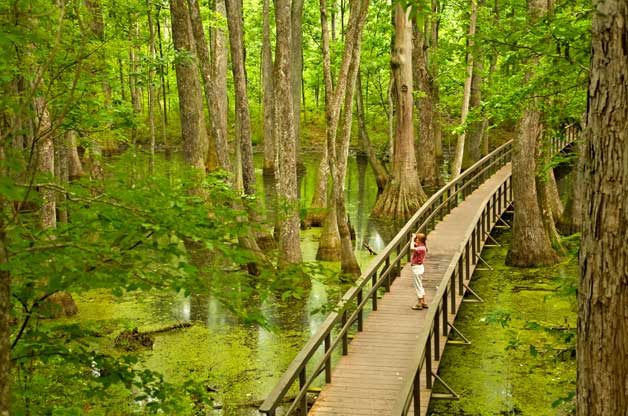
pixel 530 244
pixel 75 168
pixel 571 220
pixel 473 141
pixel 190 102
pixel 466 98
pixel 163 69
pixel 381 175
pixel 316 212
pixel 270 151
pixel 243 118
pixel 45 163
pixel 62 174
pixel 603 290
pixel 220 107
pixel 338 149
pixel 296 66
pixel 556 204
pixel 213 161
pixel 348 262
pixel 287 192
pixel 403 194
pixel 438 140
pixel 426 151
pixel 151 88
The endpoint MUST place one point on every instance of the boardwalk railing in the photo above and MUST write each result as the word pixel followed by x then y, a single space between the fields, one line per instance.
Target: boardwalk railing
pixel 333 333
pixel 459 271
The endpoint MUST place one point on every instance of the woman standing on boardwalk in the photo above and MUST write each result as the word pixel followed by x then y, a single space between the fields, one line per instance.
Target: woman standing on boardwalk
pixel 419 249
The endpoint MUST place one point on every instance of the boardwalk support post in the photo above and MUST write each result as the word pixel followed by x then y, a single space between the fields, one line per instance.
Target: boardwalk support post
pixel 488 266
pixel 477 299
pixel 452 395
pixel 465 340
pixel 495 242
pixel 505 224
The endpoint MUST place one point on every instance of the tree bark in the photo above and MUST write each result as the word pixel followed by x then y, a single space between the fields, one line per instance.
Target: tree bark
pixel 62 174
pixel 316 212
pixel 438 140
pixel 220 107
pixel 571 220
pixel 403 194
pixel 381 175
pixel 466 98
pixel 213 161
pixel 530 244
pixel 603 290
pixel 270 151
pixel 75 168
pixel 473 141
pixel 45 163
pixel 162 76
pixel 338 149
pixel 287 192
pixel 296 66
pixel 426 151
pixel 243 118
pixel 151 88
pixel 190 102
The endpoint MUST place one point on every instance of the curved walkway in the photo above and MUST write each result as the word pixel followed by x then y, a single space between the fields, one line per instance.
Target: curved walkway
pixel 370 379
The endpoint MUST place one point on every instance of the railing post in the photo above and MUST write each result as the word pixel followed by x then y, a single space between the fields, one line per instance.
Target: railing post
pixel 416 392
pixel 302 380
pixel 328 360
pixel 345 335
pixel 360 312
pixel 428 362
pixel 460 278
pixel 436 338
pixel 473 248
pixel 452 289
pixel 386 266
pixel 467 263
pixel 373 284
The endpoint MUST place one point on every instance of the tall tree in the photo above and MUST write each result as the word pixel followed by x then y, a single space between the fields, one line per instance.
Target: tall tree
pixel 151 88
pixel 286 178
pixel 603 290
pixel 531 244
pixel 219 85
pixel 296 66
pixel 403 194
pixel 193 129
pixel 243 117
pixel 215 157
pixel 270 154
pixel 426 150
pixel 335 242
pixel 466 97
pixel 381 174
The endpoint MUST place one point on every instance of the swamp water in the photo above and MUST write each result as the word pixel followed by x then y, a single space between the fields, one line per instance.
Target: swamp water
pixel 243 362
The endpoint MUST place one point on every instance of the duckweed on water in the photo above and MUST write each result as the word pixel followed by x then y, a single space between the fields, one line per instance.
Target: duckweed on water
pixel 521 360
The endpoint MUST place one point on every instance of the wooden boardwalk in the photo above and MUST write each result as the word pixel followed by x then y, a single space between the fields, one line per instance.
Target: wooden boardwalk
pixel 369 380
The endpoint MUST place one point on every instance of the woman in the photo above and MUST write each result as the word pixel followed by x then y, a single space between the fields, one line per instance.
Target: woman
pixel 419 249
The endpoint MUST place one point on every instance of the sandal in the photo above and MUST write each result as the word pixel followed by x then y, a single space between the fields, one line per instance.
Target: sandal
pixel 424 306
pixel 417 307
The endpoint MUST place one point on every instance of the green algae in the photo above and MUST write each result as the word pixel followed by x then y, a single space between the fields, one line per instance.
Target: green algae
pixel 521 360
